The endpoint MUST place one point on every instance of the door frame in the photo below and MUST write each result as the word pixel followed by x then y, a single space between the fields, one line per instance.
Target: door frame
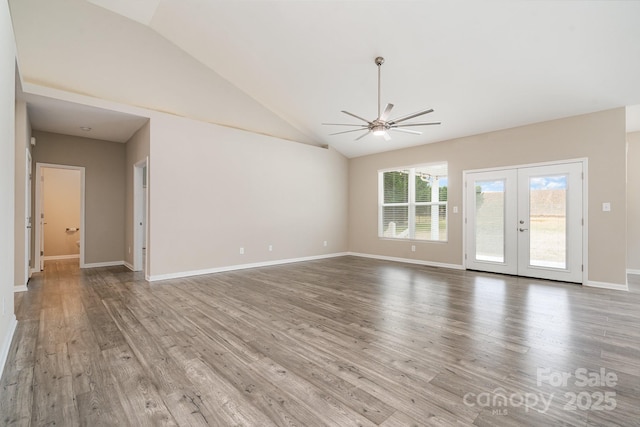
pixel 141 214
pixel 28 205
pixel 38 258
pixel 585 205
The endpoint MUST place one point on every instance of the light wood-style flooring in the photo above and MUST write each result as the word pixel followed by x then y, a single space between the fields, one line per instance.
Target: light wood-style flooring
pixel 345 342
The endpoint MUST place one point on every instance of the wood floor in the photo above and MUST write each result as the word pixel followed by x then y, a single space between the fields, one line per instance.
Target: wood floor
pixel 345 341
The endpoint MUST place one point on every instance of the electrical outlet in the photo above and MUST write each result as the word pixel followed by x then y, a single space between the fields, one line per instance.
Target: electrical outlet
pixel 129 249
pixel 413 248
pixel 241 251
pixel 324 243
pixel 455 209
pixel 606 207
pixel 270 248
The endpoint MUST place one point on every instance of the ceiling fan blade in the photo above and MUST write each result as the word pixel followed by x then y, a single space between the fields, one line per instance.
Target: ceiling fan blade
pixel 415 132
pixel 362 136
pixel 386 136
pixel 385 114
pixel 410 116
pixel 343 124
pixel 417 124
pixel 347 131
pixel 357 117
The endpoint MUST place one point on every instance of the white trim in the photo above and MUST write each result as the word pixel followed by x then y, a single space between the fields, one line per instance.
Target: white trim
pixel 606 285
pixel 22 288
pixel 181 274
pixel 54 257
pixel 140 206
pixel 128 265
pixel 632 271
pixel 76 98
pixel 6 345
pixel 102 264
pixel 32 271
pixel 409 261
pixel 39 207
pixel 585 206
pixel 529 165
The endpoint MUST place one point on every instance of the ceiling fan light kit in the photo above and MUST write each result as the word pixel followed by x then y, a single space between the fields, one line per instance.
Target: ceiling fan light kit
pixel 381 125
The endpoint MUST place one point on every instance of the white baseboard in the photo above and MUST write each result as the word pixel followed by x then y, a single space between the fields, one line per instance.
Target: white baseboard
pixel 181 274
pixel 56 257
pixel 408 261
pixel 6 343
pixel 22 288
pixel 605 285
pixel 633 271
pixel 129 266
pixel 102 264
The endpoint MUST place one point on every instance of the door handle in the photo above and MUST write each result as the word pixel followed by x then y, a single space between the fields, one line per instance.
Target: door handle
pixel 523 229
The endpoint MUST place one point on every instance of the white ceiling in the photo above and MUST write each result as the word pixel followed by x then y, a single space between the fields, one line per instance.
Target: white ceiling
pixel 69 118
pixel 481 66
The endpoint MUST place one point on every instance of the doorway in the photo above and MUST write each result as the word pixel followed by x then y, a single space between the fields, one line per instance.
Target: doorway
pixel 140 215
pixel 28 213
pixel 59 213
pixel 526 221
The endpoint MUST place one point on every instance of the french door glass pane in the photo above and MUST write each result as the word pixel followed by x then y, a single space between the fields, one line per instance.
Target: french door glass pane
pixel 548 221
pixel 490 220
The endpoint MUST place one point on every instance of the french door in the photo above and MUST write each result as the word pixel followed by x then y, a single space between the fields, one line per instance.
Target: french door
pixel 526 221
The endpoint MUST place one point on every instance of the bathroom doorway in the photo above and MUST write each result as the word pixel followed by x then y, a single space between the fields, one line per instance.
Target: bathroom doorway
pixel 59 213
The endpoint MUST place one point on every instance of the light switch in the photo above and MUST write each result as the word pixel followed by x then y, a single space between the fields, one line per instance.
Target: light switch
pixel 606 207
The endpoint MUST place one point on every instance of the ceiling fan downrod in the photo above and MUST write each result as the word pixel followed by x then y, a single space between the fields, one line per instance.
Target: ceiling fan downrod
pixel 379 61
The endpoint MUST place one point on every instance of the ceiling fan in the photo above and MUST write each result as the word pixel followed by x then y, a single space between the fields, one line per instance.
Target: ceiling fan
pixel 381 125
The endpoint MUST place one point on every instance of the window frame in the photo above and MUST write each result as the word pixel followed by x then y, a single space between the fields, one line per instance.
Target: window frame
pixel 411 203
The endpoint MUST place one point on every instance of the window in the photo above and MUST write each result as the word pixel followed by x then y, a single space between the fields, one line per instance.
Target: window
pixel 413 203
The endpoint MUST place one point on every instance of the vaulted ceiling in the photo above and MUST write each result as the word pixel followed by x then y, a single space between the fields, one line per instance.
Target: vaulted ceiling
pixel 284 67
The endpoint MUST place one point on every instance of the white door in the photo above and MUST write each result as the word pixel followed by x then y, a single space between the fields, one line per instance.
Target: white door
pixel 526 221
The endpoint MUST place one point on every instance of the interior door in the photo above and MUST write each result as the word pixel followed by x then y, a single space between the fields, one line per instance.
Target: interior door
pixel 526 221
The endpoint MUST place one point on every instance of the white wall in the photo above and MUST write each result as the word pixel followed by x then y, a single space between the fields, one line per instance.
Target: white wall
pixel 137 150
pixel 23 137
pixel 215 189
pixel 7 159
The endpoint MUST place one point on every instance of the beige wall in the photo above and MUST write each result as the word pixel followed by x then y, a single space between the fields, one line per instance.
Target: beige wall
pixel 23 137
pixel 215 189
pixel 104 164
pixel 61 207
pixel 600 137
pixel 633 202
pixel 137 150
pixel 7 185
